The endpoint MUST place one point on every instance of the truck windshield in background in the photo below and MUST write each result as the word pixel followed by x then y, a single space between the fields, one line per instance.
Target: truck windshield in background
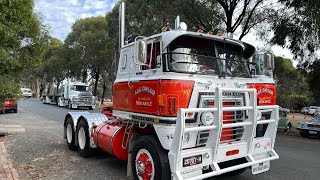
pixel 203 56
pixel 80 88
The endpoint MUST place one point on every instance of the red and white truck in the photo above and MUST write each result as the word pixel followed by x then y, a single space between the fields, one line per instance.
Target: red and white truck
pixel 186 105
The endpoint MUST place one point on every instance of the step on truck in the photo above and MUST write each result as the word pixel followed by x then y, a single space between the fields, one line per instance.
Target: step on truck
pixel 186 105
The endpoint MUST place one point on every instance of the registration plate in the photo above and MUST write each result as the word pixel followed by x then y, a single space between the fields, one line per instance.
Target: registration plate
pixel 261 167
pixel 312 132
pixel 192 160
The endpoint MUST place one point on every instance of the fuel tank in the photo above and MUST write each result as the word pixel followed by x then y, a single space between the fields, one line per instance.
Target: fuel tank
pixel 109 136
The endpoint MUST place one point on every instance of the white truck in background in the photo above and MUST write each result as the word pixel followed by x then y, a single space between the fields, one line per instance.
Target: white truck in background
pixel 75 95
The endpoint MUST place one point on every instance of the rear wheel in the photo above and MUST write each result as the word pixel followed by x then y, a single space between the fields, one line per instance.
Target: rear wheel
pixel 15 110
pixel 83 139
pixel 70 134
pixel 149 160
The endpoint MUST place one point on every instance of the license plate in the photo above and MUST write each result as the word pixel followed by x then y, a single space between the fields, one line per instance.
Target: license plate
pixel 261 167
pixel 193 160
pixel 312 132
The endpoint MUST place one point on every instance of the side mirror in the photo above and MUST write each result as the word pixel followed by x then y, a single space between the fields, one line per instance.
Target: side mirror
pixel 265 63
pixel 141 52
pixel 268 61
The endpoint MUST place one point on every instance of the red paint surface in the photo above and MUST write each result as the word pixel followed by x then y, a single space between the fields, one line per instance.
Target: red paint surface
pixel 121 96
pixel 109 139
pixel 266 93
pixel 144 97
pixel 9 104
pixel 156 97
pixel 174 94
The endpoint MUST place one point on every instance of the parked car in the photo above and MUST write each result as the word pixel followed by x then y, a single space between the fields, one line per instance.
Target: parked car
pixel 305 110
pixel 26 92
pixel 317 112
pixel 284 123
pixel 310 128
pixel 312 109
pixel 10 105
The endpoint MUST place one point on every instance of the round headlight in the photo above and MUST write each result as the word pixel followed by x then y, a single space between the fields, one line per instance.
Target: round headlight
pixel 259 115
pixel 207 118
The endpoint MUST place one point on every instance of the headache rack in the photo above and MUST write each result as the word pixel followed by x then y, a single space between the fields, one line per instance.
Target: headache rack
pixel 216 149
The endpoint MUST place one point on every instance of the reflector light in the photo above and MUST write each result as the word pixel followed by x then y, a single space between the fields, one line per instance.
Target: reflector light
pixel 233 152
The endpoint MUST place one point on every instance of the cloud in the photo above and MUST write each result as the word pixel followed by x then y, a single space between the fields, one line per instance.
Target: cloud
pixel 60 15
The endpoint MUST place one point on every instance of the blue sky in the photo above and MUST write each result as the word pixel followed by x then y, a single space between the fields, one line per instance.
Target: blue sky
pixel 61 14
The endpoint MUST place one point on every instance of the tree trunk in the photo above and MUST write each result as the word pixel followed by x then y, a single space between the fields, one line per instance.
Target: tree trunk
pixel 84 76
pixel 58 84
pixel 104 87
pixel 38 84
pixel 97 75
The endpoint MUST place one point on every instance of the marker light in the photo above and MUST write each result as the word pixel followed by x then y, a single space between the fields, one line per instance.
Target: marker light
pixel 183 26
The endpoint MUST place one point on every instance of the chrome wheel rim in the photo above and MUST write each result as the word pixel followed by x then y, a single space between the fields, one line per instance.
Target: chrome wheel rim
pixel 81 138
pixel 69 133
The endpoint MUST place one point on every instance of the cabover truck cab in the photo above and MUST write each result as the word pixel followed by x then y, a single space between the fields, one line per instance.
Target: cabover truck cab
pixel 76 94
pixel 186 105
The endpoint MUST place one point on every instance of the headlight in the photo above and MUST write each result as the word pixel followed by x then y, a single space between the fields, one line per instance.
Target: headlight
pixel 75 99
pixel 259 115
pixel 207 118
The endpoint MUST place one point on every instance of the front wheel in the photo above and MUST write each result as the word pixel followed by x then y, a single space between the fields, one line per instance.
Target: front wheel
pixel 150 160
pixel 83 139
pixel 303 133
pixel 69 104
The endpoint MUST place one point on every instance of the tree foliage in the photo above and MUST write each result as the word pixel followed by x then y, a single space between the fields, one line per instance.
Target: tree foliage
pixel 292 86
pixel 298 26
pixel 87 45
pixel 22 40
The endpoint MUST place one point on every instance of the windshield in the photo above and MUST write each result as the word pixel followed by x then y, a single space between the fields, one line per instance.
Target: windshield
pixel 81 88
pixel 204 56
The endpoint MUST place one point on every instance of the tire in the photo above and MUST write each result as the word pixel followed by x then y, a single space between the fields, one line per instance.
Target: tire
pixel 288 128
pixel 70 134
pixel 303 134
pixel 15 110
pixel 147 150
pixel 90 108
pixel 83 138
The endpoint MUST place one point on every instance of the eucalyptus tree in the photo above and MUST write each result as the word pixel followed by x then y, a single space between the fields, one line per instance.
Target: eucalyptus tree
pixel 86 45
pixel 298 28
pixel 22 43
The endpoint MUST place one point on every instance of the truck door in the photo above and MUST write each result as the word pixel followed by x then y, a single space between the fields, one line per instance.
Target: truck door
pixel 146 82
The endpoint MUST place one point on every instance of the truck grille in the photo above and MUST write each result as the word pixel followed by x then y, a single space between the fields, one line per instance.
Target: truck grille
pixel 228 134
pixel 232 134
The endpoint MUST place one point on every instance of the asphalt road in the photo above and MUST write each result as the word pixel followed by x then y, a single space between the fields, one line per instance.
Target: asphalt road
pixel 41 153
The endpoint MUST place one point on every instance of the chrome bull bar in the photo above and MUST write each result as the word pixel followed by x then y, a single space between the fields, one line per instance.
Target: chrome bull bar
pixel 214 152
